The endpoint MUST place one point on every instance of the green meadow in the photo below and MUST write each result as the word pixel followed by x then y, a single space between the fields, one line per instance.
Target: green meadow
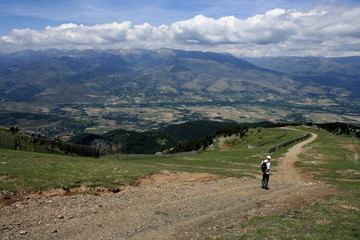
pixel 28 171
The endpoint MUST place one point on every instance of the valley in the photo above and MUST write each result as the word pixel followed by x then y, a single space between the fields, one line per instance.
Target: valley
pixel 141 114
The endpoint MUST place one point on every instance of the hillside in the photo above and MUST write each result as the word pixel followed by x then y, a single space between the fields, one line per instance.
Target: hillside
pixel 334 72
pixel 150 142
pixel 15 140
pixel 186 137
pixel 213 195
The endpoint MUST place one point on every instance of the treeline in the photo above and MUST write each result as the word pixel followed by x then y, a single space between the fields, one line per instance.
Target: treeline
pixel 202 143
pixel 193 145
pixel 14 140
pixel 226 132
pixel 339 128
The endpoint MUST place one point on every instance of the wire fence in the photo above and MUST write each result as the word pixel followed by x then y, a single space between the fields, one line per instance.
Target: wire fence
pixel 285 133
pixel 44 145
pixel 277 147
pixel 154 156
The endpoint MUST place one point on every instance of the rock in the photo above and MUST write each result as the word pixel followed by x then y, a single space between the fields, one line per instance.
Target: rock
pixel 22 232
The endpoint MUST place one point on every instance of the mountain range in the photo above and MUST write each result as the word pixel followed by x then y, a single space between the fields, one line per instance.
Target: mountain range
pixel 73 76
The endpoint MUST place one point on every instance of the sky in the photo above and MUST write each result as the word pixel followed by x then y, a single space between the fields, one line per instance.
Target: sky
pixel 245 28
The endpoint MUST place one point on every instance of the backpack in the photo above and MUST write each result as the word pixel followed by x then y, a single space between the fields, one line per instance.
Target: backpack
pixel 263 166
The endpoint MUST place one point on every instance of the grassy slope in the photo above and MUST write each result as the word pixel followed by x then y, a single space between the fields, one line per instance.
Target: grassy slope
pixel 335 160
pixel 28 171
pixel 338 216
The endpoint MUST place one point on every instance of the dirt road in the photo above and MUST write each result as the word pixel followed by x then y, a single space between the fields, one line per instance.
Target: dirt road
pixel 167 206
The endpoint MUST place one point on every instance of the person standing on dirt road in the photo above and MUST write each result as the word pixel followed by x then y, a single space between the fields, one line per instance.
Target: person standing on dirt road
pixel 265 169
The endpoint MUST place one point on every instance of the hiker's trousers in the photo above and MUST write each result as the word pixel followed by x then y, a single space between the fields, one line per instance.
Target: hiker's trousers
pixel 265 180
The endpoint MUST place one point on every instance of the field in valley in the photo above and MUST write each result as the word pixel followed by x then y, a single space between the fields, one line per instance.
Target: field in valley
pixel 67 120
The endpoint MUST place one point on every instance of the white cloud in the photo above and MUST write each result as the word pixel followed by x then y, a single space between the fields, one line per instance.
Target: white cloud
pixel 328 32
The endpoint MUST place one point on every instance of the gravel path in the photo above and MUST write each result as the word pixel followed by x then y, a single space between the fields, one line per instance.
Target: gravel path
pixel 167 206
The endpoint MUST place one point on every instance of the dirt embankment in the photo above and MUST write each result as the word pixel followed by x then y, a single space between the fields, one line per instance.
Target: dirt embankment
pixel 166 206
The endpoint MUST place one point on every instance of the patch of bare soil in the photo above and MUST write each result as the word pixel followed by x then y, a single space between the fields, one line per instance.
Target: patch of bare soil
pixel 170 178
pixel 172 205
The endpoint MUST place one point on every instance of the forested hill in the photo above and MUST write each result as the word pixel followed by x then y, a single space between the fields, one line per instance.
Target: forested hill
pixel 158 140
